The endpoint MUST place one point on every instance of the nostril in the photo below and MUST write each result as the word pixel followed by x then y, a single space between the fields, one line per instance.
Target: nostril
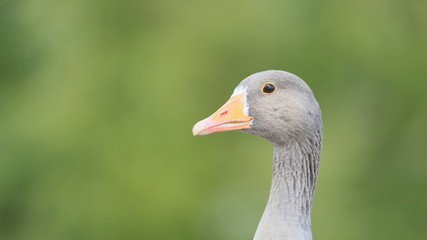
pixel 223 113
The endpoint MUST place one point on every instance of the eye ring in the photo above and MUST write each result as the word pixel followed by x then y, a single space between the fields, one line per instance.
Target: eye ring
pixel 268 88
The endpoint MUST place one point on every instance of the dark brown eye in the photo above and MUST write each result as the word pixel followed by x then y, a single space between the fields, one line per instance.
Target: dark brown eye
pixel 268 88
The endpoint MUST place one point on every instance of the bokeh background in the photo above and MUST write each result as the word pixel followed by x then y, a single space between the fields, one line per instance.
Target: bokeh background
pixel 98 98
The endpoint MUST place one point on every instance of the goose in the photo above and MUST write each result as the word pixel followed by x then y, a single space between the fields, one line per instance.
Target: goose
pixel 280 107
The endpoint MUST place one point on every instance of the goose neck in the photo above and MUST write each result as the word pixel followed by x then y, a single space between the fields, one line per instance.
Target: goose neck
pixel 288 211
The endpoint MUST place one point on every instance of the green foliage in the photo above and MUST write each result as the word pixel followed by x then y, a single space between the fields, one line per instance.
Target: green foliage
pixel 98 98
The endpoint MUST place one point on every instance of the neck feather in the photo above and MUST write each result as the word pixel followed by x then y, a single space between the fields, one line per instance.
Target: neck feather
pixel 288 211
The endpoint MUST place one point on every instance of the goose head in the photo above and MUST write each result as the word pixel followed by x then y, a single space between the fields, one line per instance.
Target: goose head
pixel 275 105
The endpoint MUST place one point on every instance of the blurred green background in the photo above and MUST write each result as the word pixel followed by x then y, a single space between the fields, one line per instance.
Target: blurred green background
pixel 98 98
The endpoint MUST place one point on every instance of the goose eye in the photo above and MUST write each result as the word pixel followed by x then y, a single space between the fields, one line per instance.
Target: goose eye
pixel 268 88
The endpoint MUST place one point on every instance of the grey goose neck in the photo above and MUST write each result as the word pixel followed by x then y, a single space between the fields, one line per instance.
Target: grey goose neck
pixel 288 211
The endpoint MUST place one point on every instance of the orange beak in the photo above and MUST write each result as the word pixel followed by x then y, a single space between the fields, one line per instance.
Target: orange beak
pixel 231 116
